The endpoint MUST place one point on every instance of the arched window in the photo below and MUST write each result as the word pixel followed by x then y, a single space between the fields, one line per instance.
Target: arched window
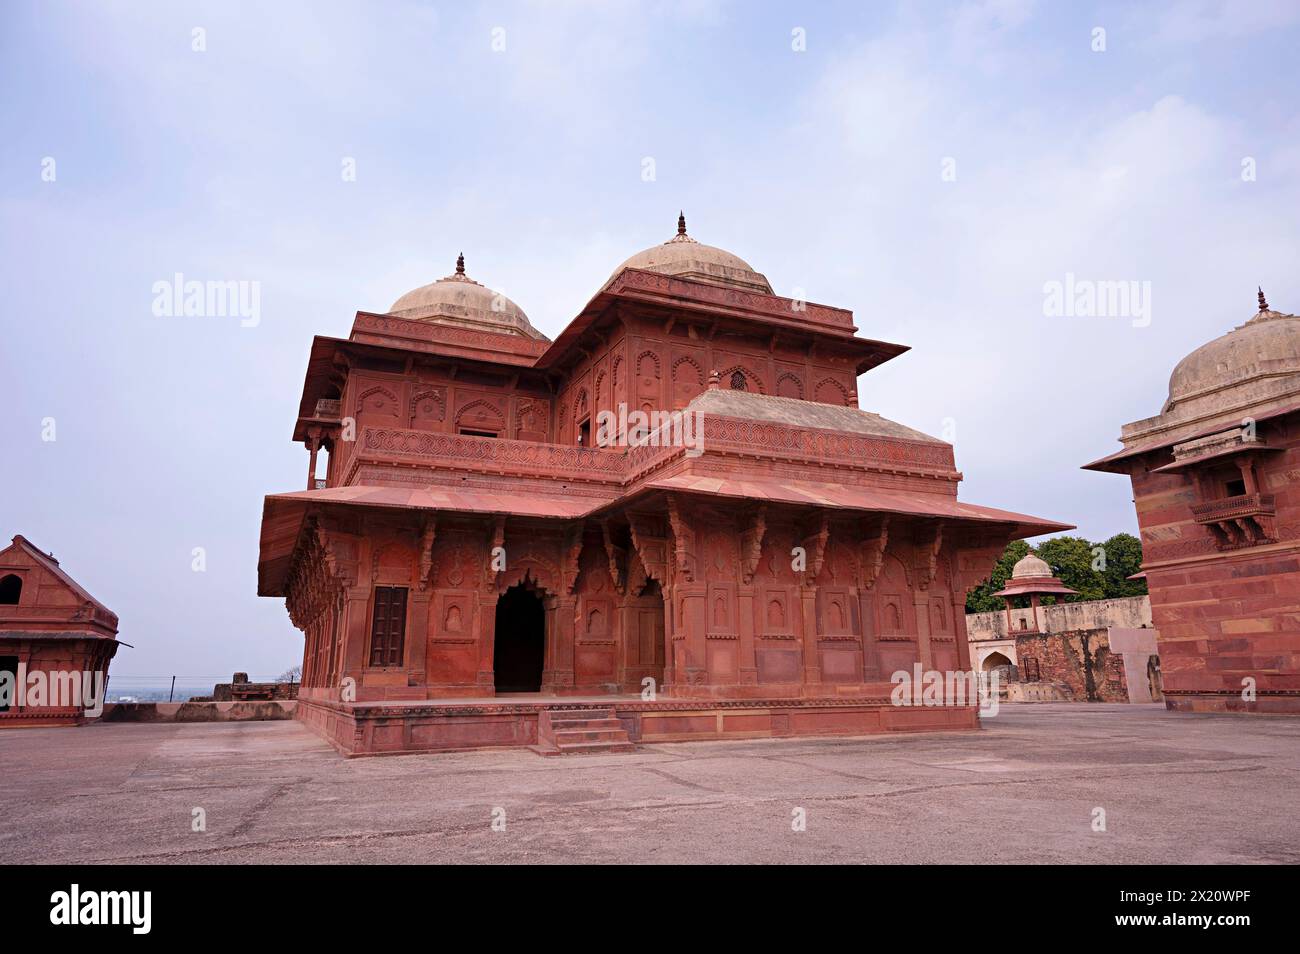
pixel 11 587
pixel 738 381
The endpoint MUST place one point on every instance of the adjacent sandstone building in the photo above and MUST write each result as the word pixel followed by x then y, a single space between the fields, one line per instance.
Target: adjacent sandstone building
pixel 1216 481
pixel 56 641
pixel 673 518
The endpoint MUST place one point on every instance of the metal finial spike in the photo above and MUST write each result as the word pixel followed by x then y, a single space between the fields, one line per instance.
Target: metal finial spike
pixel 460 264
pixel 1263 305
pixel 681 223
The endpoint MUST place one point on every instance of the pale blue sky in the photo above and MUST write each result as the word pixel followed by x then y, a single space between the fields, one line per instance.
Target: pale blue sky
pixel 821 168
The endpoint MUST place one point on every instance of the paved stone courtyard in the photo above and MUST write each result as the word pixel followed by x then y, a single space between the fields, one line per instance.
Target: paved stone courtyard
pixel 1176 788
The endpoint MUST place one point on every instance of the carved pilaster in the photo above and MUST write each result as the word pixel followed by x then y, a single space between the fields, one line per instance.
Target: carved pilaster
pixel 427 536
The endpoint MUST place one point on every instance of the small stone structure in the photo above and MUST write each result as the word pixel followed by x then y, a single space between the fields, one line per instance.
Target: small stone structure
pixel 1092 651
pixel 239 689
pixel 53 634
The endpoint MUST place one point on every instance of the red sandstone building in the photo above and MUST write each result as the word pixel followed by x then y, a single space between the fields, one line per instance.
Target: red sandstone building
pixel 484 551
pixel 1218 503
pixel 52 630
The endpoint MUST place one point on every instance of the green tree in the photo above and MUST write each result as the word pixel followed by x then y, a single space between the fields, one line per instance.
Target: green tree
pixel 1123 559
pixel 1097 570
pixel 1071 560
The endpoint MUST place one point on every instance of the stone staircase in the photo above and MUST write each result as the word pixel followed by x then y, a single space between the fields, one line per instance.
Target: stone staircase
pixel 580 731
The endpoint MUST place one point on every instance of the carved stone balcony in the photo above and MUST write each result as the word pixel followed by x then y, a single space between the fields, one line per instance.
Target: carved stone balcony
pixel 328 409
pixel 1236 522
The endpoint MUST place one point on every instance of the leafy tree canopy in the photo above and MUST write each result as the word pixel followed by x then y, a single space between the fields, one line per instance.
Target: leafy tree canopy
pixel 1099 571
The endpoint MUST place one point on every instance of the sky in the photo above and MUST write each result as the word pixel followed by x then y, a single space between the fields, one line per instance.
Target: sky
pixel 932 167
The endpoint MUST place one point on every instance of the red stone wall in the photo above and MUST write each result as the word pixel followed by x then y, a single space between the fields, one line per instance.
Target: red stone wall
pixel 1225 617
pixel 710 602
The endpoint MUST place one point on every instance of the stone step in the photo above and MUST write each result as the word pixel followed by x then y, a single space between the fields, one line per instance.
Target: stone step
pixel 563 737
pixel 586 748
pixel 579 731
pixel 610 723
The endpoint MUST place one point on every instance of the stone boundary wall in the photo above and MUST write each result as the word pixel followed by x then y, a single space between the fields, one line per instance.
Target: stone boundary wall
pixel 1128 612
pixel 261 711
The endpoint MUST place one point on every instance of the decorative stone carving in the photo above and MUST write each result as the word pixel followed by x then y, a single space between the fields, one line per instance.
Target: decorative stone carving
pixel 617 558
pixel 814 544
pixel 570 568
pixel 751 543
pixel 929 542
pixel 683 540
pixel 427 536
pixel 874 542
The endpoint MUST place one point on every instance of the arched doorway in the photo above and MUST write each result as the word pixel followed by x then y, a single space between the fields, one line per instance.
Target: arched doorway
pixel 994 660
pixel 520 643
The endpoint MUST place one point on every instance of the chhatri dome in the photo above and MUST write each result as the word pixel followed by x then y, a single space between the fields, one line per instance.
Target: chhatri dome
pixel 460 301
pixel 1265 347
pixel 1031 567
pixel 684 257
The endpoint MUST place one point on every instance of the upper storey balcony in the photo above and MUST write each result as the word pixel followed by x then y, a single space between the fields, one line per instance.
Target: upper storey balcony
pixel 1244 520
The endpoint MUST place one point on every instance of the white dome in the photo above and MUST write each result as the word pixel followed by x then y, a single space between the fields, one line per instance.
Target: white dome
pixel 1030 567
pixel 1266 346
pixel 684 257
pixel 460 301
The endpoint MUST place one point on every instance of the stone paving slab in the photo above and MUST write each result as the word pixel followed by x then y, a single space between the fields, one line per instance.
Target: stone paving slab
pixel 1176 788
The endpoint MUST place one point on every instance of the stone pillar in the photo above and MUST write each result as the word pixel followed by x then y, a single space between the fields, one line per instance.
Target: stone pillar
pixel 485 633
pixel 870 643
pixel 921 604
pixel 812 670
pixel 747 612
pixel 417 639
pixel 313 445
pixel 670 627
pixel 959 633
pixel 562 616
pixel 692 600
pixel 356 635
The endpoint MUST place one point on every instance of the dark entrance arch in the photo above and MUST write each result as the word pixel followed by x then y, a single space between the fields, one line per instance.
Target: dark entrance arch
pixel 520 642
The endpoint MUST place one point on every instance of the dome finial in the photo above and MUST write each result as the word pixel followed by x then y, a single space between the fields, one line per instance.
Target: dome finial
pixel 1263 305
pixel 460 264
pixel 681 223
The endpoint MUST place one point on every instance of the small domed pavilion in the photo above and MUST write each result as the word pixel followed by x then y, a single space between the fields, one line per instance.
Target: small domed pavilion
pixel 1031 577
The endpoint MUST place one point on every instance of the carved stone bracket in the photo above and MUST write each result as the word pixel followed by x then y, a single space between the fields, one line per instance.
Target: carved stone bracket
pixel 651 545
pixel 569 569
pixel 929 542
pixel 814 545
pixel 683 540
pixel 751 543
pixel 617 558
pixel 875 541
